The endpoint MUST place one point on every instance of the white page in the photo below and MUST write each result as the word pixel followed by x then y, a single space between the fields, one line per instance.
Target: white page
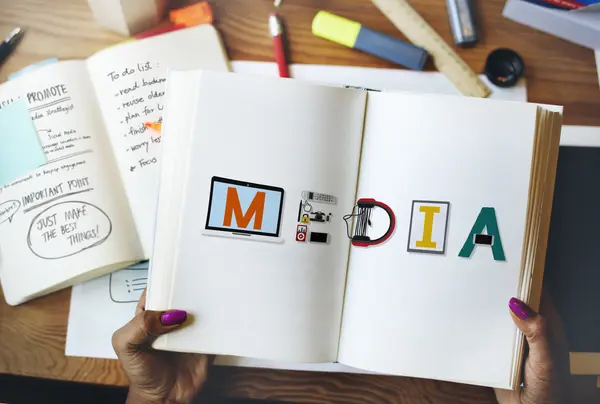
pixel 130 82
pixel 82 340
pixel 110 300
pixel 271 300
pixel 440 316
pixel 379 79
pixel 80 174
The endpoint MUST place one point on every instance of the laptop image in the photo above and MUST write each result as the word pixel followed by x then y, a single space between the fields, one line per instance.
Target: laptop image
pixel 244 210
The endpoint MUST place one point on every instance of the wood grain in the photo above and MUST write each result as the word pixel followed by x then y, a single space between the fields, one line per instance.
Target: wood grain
pixel 32 336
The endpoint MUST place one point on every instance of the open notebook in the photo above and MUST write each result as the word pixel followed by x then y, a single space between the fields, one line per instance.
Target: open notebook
pixel 90 209
pixel 272 189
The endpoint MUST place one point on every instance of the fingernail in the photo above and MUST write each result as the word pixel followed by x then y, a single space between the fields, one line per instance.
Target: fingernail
pixel 520 309
pixel 173 317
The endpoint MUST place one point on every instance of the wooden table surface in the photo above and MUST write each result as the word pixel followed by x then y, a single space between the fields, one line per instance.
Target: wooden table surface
pixel 32 336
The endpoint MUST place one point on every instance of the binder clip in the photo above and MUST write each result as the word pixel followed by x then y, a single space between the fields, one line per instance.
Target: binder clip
pixel 483 239
pixel 364 208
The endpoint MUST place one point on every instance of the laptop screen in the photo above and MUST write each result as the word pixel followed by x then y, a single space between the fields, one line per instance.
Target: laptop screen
pixel 243 207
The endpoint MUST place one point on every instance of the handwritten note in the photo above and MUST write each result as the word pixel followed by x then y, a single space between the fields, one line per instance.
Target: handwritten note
pixel 68 228
pixel 135 88
pixel 71 212
pixel 130 82
pixel 8 210
pixel 139 89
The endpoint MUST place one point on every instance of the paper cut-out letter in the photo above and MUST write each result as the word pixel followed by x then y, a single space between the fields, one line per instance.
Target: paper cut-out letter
pixel 428 226
pixel 485 221
pixel 426 241
pixel 233 207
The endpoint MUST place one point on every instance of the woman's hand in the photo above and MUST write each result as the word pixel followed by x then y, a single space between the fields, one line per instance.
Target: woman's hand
pixel 546 370
pixel 157 376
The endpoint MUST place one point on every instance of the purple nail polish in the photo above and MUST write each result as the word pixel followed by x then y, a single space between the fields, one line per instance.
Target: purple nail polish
pixel 173 317
pixel 520 309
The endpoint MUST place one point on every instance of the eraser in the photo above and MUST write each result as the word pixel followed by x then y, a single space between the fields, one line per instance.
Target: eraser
pixel 353 35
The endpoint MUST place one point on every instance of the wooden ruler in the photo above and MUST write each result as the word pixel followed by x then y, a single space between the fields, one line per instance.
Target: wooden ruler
pixel 419 32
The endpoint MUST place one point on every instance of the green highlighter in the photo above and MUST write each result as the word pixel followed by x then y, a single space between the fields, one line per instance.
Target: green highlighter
pixel 353 35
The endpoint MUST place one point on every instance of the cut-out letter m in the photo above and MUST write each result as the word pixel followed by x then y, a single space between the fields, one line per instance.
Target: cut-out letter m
pixel 242 219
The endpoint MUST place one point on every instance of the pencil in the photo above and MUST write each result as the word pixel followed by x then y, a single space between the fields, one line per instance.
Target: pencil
pixel 276 28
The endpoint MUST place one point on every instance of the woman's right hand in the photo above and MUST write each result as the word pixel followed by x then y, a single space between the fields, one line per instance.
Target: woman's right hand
pixel 158 376
pixel 546 370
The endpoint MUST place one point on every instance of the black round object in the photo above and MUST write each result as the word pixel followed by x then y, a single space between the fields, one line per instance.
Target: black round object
pixel 504 67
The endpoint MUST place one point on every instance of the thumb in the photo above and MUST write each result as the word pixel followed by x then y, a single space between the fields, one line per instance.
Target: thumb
pixel 144 328
pixel 539 362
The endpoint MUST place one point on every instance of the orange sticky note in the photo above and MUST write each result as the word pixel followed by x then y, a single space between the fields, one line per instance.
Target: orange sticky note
pixel 155 126
pixel 196 14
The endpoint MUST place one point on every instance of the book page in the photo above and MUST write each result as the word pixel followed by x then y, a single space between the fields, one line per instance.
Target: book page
pixel 413 305
pixel 69 216
pixel 265 280
pixel 130 82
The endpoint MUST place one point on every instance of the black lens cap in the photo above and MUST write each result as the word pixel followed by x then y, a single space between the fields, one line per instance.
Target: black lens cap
pixel 504 67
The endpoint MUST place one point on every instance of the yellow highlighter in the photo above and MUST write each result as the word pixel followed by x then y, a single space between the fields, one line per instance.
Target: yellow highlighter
pixel 353 35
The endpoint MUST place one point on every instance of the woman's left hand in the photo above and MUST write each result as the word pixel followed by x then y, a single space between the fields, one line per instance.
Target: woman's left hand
pixel 546 370
pixel 157 376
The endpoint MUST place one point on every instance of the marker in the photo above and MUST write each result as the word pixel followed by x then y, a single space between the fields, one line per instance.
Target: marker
pixel 276 28
pixel 462 22
pixel 353 35
pixel 155 126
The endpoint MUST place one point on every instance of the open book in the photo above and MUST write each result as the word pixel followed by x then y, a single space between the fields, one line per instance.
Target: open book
pixel 90 209
pixel 385 231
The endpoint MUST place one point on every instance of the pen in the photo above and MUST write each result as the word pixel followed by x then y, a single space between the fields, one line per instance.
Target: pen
pixel 276 29
pixel 463 22
pixel 10 43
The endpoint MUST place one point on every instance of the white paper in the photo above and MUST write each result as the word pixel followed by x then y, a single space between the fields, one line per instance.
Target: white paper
pixel 580 136
pixel 379 79
pixel 390 291
pixel 129 80
pixel 101 306
pixel 97 344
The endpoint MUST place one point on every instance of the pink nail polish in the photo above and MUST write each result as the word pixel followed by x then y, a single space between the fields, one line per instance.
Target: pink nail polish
pixel 520 309
pixel 173 317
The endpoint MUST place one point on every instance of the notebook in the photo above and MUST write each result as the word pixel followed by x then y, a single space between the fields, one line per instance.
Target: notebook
pixel 304 223
pixel 90 209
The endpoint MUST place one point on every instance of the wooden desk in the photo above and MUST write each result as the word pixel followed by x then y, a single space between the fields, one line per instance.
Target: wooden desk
pixel 32 336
